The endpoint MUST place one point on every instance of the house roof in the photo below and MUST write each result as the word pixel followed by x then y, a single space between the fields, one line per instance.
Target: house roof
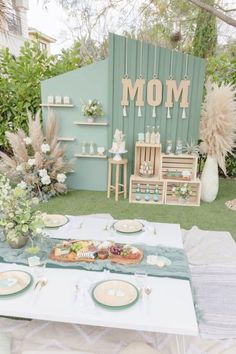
pixel 34 31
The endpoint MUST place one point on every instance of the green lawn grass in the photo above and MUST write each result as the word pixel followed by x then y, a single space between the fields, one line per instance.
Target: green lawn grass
pixel 212 216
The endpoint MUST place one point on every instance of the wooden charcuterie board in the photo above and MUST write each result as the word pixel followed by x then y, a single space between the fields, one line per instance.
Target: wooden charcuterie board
pixel 75 251
pixel 124 260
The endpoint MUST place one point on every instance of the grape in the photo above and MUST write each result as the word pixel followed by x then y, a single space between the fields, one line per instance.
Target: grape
pixel 116 250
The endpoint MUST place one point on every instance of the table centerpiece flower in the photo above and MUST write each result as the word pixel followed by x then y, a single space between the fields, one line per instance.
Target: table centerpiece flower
pixel 20 220
pixel 183 192
pixel 92 109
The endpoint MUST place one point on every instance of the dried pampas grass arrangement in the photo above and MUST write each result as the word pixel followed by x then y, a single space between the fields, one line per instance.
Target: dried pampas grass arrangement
pixel 218 135
pixel 38 162
pixel 218 122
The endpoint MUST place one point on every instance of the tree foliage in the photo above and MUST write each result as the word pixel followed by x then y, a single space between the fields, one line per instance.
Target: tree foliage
pixel 205 39
pixel 20 82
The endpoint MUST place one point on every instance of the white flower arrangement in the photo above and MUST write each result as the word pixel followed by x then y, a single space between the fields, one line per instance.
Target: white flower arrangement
pixel 92 108
pixel 61 177
pixel 45 148
pixel 22 185
pixel 46 180
pixel 38 164
pixel 183 191
pixel 27 140
pixel 31 162
pixel 18 214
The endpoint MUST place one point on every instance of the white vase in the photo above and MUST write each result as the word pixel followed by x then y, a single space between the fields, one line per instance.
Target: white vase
pixel 210 180
pixel 91 119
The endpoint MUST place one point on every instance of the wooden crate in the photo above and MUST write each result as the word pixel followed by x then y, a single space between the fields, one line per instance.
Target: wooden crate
pixel 179 163
pixel 194 200
pixel 152 181
pixel 148 152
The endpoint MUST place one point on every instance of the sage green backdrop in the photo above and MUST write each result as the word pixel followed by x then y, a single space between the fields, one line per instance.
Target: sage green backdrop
pixel 174 128
pixel 102 81
pixel 81 85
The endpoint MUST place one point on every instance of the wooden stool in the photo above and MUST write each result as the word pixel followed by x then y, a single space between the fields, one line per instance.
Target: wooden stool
pixel 116 188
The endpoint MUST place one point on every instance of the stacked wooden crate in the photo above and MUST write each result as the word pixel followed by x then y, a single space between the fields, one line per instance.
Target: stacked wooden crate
pixel 169 171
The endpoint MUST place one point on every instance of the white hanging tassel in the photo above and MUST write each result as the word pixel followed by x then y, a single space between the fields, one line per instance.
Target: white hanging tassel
pixel 168 113
pixel 154 112
pixel 124 111
pixel 184 116
pixel 139 112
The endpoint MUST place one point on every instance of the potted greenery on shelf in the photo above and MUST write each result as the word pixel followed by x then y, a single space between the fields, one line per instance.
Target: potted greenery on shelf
pixel 19 218
pixel 92 109
pixel 183 192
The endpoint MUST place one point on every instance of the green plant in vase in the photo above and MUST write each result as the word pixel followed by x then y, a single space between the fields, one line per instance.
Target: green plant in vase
pixel 92 109
pixel 20 220
pixel 183 192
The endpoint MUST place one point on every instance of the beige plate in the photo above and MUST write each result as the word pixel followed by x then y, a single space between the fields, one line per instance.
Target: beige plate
pixel 14 282
pixel 54 220
pixel 128 226
pixel 115 293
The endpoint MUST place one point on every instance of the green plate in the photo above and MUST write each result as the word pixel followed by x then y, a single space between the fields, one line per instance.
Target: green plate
pixel 14 282
pixel 115 294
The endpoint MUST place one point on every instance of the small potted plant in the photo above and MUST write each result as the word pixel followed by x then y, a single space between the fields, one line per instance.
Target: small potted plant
pixel 92 109
pixel 183 192
pixel 19 219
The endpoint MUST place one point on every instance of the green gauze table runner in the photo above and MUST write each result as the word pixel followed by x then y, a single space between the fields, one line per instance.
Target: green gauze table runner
pixel 177 269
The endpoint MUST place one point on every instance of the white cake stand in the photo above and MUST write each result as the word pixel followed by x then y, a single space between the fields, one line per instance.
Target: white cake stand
pixel 117 154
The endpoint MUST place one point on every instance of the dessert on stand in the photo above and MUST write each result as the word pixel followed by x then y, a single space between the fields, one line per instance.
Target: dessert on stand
pixel 118 145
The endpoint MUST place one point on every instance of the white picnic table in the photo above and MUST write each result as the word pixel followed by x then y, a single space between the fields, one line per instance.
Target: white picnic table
pixel 168 309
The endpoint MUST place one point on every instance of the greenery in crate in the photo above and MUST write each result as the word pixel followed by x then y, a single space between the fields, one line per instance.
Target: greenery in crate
pixel 92 108
pixel 18 214
pixel 38 164
pixel 183 191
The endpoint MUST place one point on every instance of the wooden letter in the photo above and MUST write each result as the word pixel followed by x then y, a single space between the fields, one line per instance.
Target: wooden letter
pixel 129 90
pixel 177 91
pixel 154 99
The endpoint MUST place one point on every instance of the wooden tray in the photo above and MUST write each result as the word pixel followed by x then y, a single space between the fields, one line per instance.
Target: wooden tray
pixel 71 258
pixel 122 260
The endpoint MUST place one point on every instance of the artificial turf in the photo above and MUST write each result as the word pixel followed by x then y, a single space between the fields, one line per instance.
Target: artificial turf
pixel 209 216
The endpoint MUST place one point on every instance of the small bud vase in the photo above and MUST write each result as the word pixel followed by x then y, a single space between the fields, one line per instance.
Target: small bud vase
pixel 91 119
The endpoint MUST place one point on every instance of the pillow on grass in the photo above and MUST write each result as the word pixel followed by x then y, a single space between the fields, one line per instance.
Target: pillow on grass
pixel 5 340
pixel 138 348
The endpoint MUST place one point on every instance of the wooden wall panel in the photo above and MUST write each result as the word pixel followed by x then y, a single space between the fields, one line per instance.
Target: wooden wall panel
pixel 174 128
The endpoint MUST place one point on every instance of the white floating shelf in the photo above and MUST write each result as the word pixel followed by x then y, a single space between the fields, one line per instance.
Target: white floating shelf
pixel 95 156
pixel 55 105
pixel 94 123
pixel 66 139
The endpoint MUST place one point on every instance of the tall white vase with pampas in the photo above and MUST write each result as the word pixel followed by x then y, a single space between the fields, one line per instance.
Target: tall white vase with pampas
pixel 218 135
pixel 210 180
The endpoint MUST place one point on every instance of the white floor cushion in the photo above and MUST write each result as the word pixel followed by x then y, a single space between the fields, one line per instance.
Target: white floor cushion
pixel 138 348
pixel 5 343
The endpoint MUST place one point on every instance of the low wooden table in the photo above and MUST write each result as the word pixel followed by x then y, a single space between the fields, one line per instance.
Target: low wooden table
pixel 110 188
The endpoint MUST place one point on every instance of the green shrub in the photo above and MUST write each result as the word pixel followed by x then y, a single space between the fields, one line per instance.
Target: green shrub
pixel 20 82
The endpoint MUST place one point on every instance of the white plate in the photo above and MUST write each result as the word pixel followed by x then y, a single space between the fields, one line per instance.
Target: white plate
pixel 14 282
pixel 54 220
pixel 128 226
pixel 115 293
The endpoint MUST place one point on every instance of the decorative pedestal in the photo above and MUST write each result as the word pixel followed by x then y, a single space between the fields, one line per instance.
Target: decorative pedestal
pixel 116 188
pixel 117 154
